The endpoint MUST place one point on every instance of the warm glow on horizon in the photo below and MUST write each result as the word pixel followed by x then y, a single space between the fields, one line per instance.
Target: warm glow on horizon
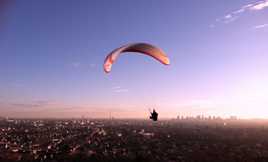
pixel 252 99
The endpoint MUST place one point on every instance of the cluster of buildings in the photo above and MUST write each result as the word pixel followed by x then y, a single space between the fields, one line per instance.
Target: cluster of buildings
pixel 203 117
pixel 71 140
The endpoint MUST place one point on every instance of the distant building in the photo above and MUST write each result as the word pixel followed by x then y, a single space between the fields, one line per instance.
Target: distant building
pixel 233 117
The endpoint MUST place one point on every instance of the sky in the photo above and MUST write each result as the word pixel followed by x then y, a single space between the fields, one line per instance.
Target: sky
pixel 52 53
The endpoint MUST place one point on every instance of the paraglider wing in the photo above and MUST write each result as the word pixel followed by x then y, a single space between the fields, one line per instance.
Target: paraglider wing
pixel 142 48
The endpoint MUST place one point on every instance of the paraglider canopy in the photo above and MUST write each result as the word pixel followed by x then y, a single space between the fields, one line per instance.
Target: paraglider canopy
pixel 143 48
pixel 154 115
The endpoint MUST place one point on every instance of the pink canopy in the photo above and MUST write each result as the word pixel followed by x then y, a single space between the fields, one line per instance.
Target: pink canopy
pixel 142 48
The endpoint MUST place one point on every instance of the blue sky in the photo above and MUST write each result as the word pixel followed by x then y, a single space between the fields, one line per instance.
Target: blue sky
pixel 52 54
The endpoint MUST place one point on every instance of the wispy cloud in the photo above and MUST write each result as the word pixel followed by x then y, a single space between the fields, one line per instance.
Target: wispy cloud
pixel 212 26
pixel 17 84
pixel 92 65
pixel 234 15
pixel 76 64
pixel 35 104
pixel 261 26
pixel 118 89
pixel 260 5
pixel 227 18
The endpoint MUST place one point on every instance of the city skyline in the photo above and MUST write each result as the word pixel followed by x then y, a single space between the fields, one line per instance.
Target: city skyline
pixel 52 55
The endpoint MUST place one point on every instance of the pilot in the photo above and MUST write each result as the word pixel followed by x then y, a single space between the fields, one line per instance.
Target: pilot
pixel 154 115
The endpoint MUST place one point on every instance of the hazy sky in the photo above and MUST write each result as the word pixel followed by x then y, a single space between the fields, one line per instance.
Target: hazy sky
pixel 51 56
